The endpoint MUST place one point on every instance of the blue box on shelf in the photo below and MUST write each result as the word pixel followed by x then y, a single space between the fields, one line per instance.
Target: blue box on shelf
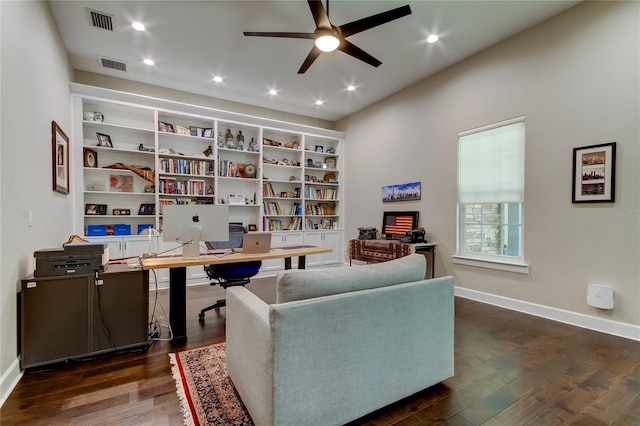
pixel 96 230
pixel 121 229
pixel 143 226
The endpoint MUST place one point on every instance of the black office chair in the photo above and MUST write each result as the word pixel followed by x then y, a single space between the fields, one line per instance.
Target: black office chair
pixel 229 274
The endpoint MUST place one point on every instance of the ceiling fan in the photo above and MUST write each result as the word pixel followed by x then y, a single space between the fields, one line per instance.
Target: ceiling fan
pixel 329 37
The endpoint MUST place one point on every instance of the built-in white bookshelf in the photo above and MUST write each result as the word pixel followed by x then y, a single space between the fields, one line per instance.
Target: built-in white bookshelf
pixel 139 154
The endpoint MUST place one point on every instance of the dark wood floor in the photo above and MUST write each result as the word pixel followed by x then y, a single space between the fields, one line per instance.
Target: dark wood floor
pixel 511 369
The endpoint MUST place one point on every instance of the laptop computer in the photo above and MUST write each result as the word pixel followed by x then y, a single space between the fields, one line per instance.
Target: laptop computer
pixel 256 242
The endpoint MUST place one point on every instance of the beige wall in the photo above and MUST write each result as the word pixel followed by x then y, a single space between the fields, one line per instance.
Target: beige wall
pixel 576 79
pixel 35 90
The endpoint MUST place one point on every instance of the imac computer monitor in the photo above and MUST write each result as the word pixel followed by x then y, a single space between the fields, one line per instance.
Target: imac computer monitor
pixel 189 224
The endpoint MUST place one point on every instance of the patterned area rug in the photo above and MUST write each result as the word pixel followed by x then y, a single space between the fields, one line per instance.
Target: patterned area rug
pixel 206 392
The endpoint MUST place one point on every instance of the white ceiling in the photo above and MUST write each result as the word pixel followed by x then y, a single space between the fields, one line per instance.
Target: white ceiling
pixel 191 41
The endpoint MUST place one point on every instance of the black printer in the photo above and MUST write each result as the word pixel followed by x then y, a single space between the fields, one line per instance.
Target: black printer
pixel 72 259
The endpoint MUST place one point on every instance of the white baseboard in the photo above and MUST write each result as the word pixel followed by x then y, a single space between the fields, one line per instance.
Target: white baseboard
pixel 603 325
pixel 9 380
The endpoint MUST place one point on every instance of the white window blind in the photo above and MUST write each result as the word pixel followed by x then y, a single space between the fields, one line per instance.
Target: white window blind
pixel 491 163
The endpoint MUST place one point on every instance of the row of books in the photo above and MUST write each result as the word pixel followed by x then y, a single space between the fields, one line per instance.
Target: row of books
pixel 275 208
pixel 294 224
pixel 320 209
pixel 314 193
pixel 186 167
pixel 182 187
pixel 324 223
pixel 268 191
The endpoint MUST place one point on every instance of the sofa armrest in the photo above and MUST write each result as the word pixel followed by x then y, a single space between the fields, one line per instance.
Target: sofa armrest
pixel 249 351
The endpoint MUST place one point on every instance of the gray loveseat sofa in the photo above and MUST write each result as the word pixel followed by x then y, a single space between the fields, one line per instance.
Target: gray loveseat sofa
pixel 339 343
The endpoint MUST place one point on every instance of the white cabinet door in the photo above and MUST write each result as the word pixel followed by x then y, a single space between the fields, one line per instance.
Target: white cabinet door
pixel 327 239
pixel 332 240
pixel 135 246
pixel 281 239
pixel 313 239
pixel 115 245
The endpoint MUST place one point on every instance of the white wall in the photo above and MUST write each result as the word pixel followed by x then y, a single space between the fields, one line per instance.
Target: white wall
pixel 35 77
pixel 576 79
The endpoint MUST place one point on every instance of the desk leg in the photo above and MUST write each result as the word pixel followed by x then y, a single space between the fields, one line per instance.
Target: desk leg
pixel 301 262
pixel 178 302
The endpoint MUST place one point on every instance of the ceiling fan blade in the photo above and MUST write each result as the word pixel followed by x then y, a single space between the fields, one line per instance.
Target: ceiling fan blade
pixel 320 16
pixel 353 50
pixel 373 21
pixel 277 34
pixel 311 57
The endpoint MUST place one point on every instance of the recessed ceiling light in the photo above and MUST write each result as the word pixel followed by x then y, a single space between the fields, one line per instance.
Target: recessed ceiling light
pixel 138 26
pixel 273 92
pixel 351 87
pixel 319 102
pixel 432 38
pixel 149 61
pixel 217 79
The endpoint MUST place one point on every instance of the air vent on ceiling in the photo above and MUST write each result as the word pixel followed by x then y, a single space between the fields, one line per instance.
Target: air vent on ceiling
pixel 101 20
pixel 112 63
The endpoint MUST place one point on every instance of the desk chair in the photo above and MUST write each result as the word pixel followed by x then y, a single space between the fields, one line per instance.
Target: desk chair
pixel 229 274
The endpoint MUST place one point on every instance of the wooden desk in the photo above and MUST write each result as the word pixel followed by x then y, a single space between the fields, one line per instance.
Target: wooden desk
pixel 178 273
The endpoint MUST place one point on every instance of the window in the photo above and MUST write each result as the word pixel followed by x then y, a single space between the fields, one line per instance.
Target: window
pixel 491 196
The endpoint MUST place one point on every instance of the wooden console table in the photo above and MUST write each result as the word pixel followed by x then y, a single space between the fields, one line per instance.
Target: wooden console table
pixel 375 251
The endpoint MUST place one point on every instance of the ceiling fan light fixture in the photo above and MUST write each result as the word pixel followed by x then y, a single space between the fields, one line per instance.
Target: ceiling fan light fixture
pixel 327 41
pixel 432 38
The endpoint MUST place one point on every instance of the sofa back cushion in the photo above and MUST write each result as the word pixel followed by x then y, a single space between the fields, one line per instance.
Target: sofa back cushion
pixel 306 284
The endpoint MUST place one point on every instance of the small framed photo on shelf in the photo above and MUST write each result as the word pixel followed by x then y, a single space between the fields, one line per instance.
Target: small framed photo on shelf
pixel 104 140
pixel 90 158
pixel 181 130
pixel 207 133
pixel 147 209
pixel 196 131
pixel 319 148
pixel 95 209
pixel 121 212
pixel 330 162
pixel 253 227
pixel 594 173
pixel 165 127
pixel 237 199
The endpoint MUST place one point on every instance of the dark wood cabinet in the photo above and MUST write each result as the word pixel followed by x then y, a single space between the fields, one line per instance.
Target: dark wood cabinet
pixel 70 317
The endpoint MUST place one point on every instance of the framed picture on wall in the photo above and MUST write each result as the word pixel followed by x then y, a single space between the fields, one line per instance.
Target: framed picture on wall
pixel 60 148
pixel 594 173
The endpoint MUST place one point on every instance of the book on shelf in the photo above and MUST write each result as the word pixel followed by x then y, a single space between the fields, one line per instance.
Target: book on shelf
pixel 186 167
pixel 267 190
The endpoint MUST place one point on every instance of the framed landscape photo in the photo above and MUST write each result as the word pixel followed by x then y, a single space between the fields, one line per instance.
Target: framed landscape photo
pixel 60 148
pixel 594 173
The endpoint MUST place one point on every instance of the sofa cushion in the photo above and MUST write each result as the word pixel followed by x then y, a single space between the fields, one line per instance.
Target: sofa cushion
pixel 306 284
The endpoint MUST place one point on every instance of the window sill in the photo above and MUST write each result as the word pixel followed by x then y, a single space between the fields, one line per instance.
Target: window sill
pixel 519 268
